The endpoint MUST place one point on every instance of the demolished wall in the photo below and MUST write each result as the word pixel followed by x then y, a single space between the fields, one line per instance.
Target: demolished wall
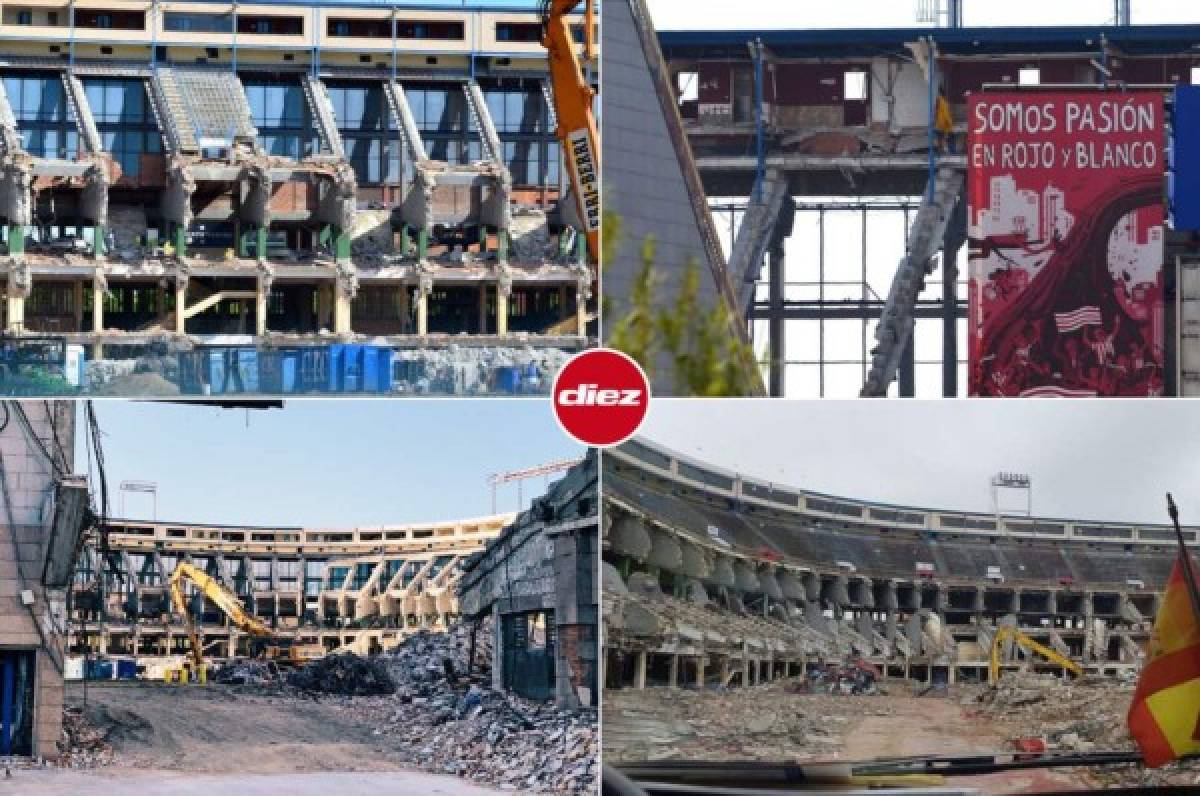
pixel 37 444
pixel 545 562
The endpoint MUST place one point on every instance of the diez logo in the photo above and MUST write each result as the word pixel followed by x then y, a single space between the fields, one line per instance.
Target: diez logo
pixel 601 397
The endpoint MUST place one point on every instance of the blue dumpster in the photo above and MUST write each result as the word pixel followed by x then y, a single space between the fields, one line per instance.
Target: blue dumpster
pixel 508 379
pixel 352 368
pixel 337 355
pixel 216 371
pixel 247 369
pixel 99 670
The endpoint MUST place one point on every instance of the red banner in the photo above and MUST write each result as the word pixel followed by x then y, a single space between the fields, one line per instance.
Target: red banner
pixel 1065 228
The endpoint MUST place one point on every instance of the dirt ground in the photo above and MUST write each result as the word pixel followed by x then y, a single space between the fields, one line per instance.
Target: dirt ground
pixel 126 782
pixel 772 723
pixel 215 729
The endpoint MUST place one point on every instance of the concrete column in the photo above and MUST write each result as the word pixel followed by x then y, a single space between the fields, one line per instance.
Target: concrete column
pixel 423 289
pixel 582 290
pixel 403 307
pixel 180 305
pixel 503 291
pixel 97 316
pixel 261 292
pixel 324 305
pixel 77 304
pixel 775 322
pixel 673 673
pixel 483 309
pixel 639 670
pixel 14 312
pixel 341 310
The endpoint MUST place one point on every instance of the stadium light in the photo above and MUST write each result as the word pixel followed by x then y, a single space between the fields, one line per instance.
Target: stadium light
pixel 145 487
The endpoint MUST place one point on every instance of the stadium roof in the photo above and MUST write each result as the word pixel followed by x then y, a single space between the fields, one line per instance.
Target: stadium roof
pixel 858 42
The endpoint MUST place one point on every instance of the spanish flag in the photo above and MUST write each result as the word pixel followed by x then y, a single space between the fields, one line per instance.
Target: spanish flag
pixel 1164 718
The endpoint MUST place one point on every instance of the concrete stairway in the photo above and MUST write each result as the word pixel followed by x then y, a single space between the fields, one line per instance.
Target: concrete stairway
pixel 924 241
pixel 322 111
pixel 169 111
pixel 216 104
pixel 10 138
pixel 754 236
pixel 393 92
pixel 81 112
pixel 482 119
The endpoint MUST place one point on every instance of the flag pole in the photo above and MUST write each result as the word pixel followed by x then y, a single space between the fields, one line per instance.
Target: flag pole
pixel 1188 575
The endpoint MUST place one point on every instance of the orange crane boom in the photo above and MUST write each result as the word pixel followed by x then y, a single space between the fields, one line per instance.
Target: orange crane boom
pixel 573 96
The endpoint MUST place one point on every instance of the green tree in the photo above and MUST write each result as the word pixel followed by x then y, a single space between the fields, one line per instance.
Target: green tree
pixel 707 358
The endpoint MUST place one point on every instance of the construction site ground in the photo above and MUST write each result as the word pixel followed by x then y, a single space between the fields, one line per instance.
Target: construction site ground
pixel 226 735
pixel 776 722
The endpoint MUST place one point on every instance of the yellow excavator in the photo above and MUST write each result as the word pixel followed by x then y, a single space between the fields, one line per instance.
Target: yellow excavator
pixel 280 650
pixel 1006 633
pixel 573 96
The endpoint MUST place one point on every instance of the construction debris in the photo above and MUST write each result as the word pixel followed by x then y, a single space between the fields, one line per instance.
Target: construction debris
pixel 781 720
pixel 257 673
pixel 346 674
pixel 1085 715
pixel 454 722
pixel 83 745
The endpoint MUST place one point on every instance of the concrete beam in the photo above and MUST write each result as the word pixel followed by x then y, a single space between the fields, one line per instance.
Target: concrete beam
pixel 217 298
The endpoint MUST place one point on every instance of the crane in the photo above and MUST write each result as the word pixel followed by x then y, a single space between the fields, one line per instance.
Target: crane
pixel 229 604
pixel 1007 632
pixel 573 96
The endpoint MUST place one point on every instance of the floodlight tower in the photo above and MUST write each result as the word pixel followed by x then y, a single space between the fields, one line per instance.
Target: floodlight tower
pixel 940 13
pixel 1012 482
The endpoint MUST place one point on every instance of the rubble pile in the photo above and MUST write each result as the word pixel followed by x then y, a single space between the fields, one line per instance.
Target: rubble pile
pixel 1081 716
pixel 246 673
pixel 1071 715
pixel 530 235
pixel 82 745
pixel 371 236
pixel 466 370
pixel 346 674
pixel 454 722
pixel 782 720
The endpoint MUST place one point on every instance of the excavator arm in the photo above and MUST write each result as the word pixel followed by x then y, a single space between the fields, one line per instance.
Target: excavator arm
pixel 220 596
pixel 576 131
pixel 1005 633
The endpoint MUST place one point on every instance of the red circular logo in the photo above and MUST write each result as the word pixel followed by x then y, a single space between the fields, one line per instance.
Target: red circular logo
pixel 601 397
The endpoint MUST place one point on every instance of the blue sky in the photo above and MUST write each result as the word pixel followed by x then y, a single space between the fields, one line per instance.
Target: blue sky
pixel 810 14
pixel 331 463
